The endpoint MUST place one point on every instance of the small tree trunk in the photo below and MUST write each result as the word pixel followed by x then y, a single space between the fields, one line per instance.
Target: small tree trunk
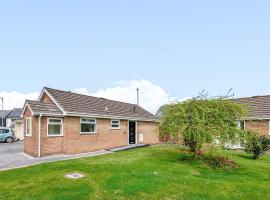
pixel 256 154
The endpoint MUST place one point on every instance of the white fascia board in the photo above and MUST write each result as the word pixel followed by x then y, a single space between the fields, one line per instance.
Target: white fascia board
pixel 24 109
pixel 49 114
pixel 97 116
pixel 255 118
pixel 109 117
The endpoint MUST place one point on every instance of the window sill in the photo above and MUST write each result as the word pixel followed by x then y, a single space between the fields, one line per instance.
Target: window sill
pixel 88 133
pixel 55 135
pixel 28 135
pixel 115 128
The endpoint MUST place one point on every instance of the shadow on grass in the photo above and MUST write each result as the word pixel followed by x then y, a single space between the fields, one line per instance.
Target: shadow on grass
pixel 246 156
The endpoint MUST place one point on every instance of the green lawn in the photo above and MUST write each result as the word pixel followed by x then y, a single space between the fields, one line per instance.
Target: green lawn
pixel 146 173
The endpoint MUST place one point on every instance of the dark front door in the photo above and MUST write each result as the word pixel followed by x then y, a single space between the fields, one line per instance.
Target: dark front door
pixel 132 132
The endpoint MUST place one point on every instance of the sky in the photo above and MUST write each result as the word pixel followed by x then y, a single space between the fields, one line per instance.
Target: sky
pixel 171 50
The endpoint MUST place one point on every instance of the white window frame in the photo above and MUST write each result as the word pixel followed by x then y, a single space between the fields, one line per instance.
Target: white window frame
pixel 54 123
pixel 269 128
pixel 95 123
pixel 119 123
pixel 239 124
pixel 26 126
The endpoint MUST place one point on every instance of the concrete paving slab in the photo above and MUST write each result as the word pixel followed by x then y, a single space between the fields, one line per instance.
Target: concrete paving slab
pixel 12 156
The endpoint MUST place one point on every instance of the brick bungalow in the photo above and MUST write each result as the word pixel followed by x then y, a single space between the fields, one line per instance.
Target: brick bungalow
pixel 63 122
pixel 258 118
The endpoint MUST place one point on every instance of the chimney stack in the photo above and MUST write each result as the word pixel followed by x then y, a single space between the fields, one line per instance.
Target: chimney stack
pixel 138 96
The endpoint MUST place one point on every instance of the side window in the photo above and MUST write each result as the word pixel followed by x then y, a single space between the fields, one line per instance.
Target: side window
pixel 115 124
pixel 5 131
pixel 242 124
pixel 28 126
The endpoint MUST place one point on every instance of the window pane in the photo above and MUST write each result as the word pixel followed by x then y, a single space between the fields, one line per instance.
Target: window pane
pixel 242 125
pixel 28 125
pixel 54 129
pixel 55 120
pixel 87 120
pixel 115 125
pixel 88 128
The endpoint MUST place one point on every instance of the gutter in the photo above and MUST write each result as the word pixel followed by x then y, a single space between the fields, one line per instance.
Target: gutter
pixel 39 135
pixel 110 117
pixel 73 114
pixel 255 118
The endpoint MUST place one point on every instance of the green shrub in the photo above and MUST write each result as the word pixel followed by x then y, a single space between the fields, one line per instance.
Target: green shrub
pixel 214 161
pixel 256 144
pixel 220 162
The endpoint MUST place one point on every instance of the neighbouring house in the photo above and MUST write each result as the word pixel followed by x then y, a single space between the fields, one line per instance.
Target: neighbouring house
pixel 3 114
pixel 15 121
pixel 62 122
pixel 258 116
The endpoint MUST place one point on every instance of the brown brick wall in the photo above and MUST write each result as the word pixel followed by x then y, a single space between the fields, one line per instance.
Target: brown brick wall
pixel 149 131
pixel 105 138
pixel 260 126
pixel 73 142
pixel 50 145
pixel 31 143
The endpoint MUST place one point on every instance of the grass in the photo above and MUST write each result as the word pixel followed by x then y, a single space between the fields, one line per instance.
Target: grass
pixel 156 172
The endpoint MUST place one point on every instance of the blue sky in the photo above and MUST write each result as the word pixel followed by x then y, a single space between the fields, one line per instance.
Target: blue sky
pixel 180 46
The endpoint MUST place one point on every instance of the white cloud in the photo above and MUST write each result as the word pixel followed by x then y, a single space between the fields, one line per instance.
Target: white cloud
pixel 82 90
pixel 16 99
pixel 151 96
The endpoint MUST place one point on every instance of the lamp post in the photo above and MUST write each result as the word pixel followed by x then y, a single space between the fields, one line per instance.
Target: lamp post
pixel 138 96
pixel 2 111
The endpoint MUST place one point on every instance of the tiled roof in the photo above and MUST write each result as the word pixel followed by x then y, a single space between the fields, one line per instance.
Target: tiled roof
pixel 15 113
pixel 84 104
pixel 48 108
pixel 77 104
pixel 258 106
pixel 5 112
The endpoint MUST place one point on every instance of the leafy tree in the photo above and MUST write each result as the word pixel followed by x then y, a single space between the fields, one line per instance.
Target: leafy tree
pixel 201 120
pixel 256 144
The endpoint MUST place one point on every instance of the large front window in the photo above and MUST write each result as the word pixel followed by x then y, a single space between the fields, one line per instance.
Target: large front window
pixel 88 125
pixel 55 127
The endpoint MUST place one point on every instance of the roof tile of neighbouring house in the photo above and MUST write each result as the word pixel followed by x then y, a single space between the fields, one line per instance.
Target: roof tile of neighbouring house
pixel 84 104
pixel 258 106
pixel 15 113
pixel 47 108
pixel 5 113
